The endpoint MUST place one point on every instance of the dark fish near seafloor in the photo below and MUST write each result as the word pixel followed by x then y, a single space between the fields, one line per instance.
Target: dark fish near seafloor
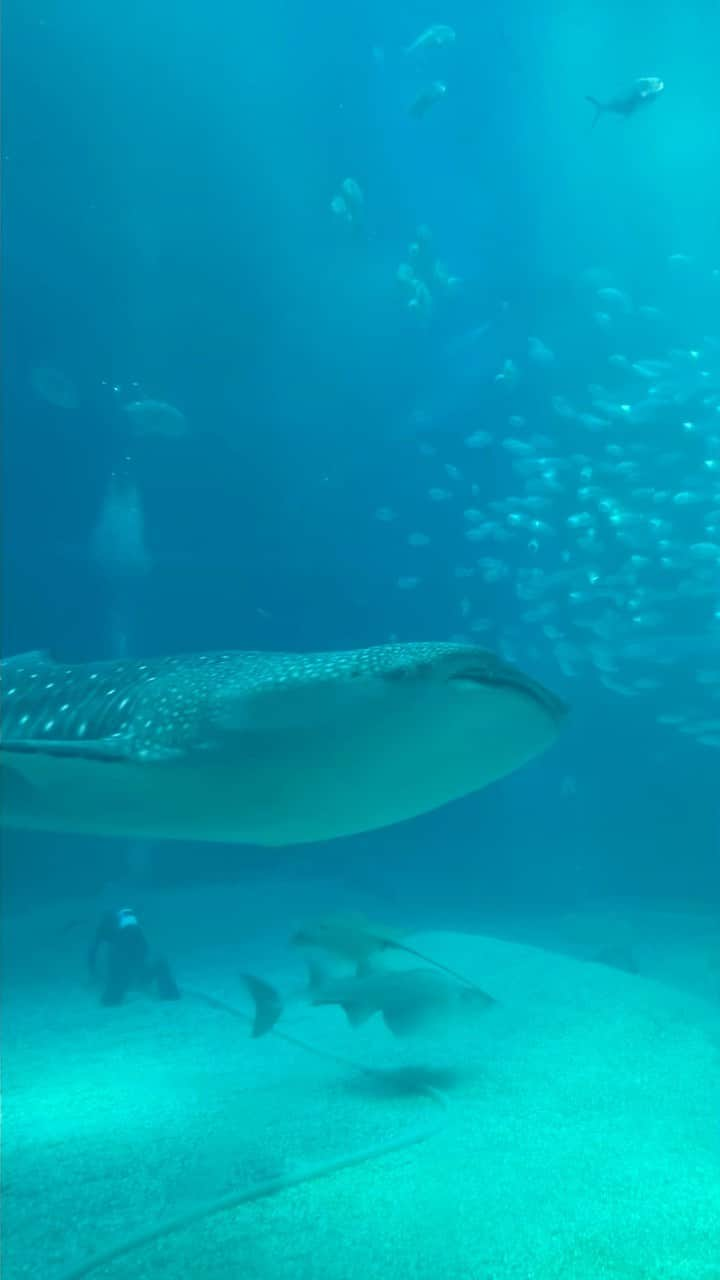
pixel 271 749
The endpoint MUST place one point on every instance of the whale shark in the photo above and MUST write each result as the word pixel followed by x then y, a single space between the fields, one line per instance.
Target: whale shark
pixel 262 748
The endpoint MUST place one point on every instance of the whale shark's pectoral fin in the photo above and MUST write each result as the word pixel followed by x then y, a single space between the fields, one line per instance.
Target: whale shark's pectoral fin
pixel 105 750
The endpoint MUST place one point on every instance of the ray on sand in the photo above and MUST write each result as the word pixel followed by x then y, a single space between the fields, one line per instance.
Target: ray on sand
pixel 352 937
pixel 264 748
pixel 409 1000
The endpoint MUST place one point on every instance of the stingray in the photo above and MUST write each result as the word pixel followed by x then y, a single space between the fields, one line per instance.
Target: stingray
pixel 353 938
pixel 409 1000
pixel 264 748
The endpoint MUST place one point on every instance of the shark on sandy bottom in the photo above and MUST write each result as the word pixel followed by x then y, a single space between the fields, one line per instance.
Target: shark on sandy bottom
pixel 263 748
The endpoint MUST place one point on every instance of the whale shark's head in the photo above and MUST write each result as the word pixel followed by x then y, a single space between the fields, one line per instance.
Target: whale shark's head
pixel 486 716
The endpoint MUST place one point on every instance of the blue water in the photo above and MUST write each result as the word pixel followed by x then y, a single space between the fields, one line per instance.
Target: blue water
pixel 168 235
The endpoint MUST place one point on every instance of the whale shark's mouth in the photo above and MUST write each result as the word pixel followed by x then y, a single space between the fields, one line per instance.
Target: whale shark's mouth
pixel 518 683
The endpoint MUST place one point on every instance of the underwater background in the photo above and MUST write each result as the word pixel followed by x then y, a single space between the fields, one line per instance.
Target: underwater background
pixel 168 231
pixel 323 328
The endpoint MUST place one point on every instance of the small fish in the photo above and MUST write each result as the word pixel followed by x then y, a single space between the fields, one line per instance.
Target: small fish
pixel 349 202
pixel 263 748
pixel 409 1000
pixel 55 387
pixel 427 99
pixel 539 352
pixel 644 90
pixel 434 37
pixel 156 418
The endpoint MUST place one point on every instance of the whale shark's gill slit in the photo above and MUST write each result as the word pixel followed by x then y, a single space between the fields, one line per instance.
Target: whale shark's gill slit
pixel 491 681
pixel 547 701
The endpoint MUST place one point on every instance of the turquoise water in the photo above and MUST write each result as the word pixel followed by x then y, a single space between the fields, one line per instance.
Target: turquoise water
pixel 328 328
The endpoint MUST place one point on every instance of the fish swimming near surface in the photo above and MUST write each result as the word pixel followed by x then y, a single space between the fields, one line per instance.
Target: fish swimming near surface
pixel 427 98
pixel 643 91
pixel 409 1000
pixel 433 37
pixel 263 748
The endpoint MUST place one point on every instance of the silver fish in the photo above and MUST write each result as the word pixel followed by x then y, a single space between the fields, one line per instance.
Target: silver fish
pixel 434 37
pixel 263 748
pixel 644 90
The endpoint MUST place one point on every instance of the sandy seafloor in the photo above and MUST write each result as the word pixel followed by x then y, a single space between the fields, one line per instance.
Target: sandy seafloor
pixel 582 1138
